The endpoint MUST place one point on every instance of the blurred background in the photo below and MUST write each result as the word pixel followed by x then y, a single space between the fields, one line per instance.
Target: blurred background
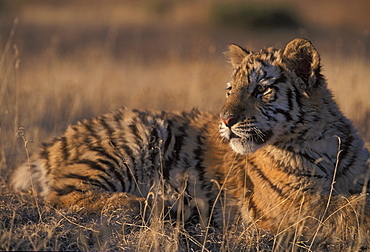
pixel 62 61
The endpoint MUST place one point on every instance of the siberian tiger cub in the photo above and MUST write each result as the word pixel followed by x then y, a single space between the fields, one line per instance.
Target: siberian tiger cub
pixel 279 154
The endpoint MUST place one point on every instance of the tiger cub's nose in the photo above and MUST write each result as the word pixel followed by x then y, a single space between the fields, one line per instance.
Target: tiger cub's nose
pixel 230 121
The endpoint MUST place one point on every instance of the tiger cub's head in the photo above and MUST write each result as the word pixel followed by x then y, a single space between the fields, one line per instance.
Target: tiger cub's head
pixel 265 93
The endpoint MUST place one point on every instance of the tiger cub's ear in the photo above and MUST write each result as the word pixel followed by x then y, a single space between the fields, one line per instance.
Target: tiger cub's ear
pixel 236 54
pixel 301 57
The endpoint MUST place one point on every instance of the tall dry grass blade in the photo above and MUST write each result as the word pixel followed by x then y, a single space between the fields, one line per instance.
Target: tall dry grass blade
pixel 74 223
pixel 21 133
pixel 4 67
pixel 321 222
pixel 9 41
pixel 10 232
pixel 17 87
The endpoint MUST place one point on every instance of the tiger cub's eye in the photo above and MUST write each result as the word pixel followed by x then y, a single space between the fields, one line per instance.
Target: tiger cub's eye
pixel 228 89
pixel 260 89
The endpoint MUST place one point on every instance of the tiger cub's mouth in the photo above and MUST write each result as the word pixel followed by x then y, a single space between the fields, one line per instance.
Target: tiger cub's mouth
pixel 244 139
pixel 249 142
pixel 255 136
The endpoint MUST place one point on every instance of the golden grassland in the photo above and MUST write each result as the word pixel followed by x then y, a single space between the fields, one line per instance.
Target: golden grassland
pixel 62 62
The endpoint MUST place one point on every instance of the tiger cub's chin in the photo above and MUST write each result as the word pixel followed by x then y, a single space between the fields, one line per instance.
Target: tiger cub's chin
pixel 248 143
pixel 244 146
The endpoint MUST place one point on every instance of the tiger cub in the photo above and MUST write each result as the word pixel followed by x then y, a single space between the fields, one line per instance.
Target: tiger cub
pixel 279 154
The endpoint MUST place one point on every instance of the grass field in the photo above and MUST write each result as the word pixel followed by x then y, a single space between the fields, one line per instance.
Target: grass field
pixel 65 61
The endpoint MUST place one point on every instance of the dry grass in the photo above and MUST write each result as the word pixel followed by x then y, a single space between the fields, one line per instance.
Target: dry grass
pixel 67 61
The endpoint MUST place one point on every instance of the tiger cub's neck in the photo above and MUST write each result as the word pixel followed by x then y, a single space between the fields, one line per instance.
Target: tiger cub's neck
pixel 322 148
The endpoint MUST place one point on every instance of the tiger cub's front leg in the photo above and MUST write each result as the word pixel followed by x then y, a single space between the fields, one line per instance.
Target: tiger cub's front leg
pixel 100 201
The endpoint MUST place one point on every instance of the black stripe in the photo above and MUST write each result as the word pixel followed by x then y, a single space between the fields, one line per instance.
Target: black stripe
pixel 89 127
pixel 93 165
pixel 289 169
pixel 135 132
pixel 109 130
pixel 44 154
pixel 309 158
pixel 258 213
pixel 124 151
pixel 269 117
pixel 199 158
pixel 65 149
pixel 109 182
pixel 123 144
pixel 350 163
pixel 102 152
pixel 300 121
pixel 289 95
pixel 169 137
pixel 112 169
pixel 199 155
pixel 143 116
pixel 249 185
pixel 173 158
pixel 92 181
pixel 298 97
pixel 142 141
pixel 67 190
pixel 88 137
pixel 287 115
pixel 118 117
pixel 281 79
pixel 301 135
pixel 263 176
pixel 263 63
pixel 167 163
pixel 153 147
pixel 276 88
pixel 343 156
pixel 108 162
pixel 75 140
pixel 274 98
pixel 248 73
